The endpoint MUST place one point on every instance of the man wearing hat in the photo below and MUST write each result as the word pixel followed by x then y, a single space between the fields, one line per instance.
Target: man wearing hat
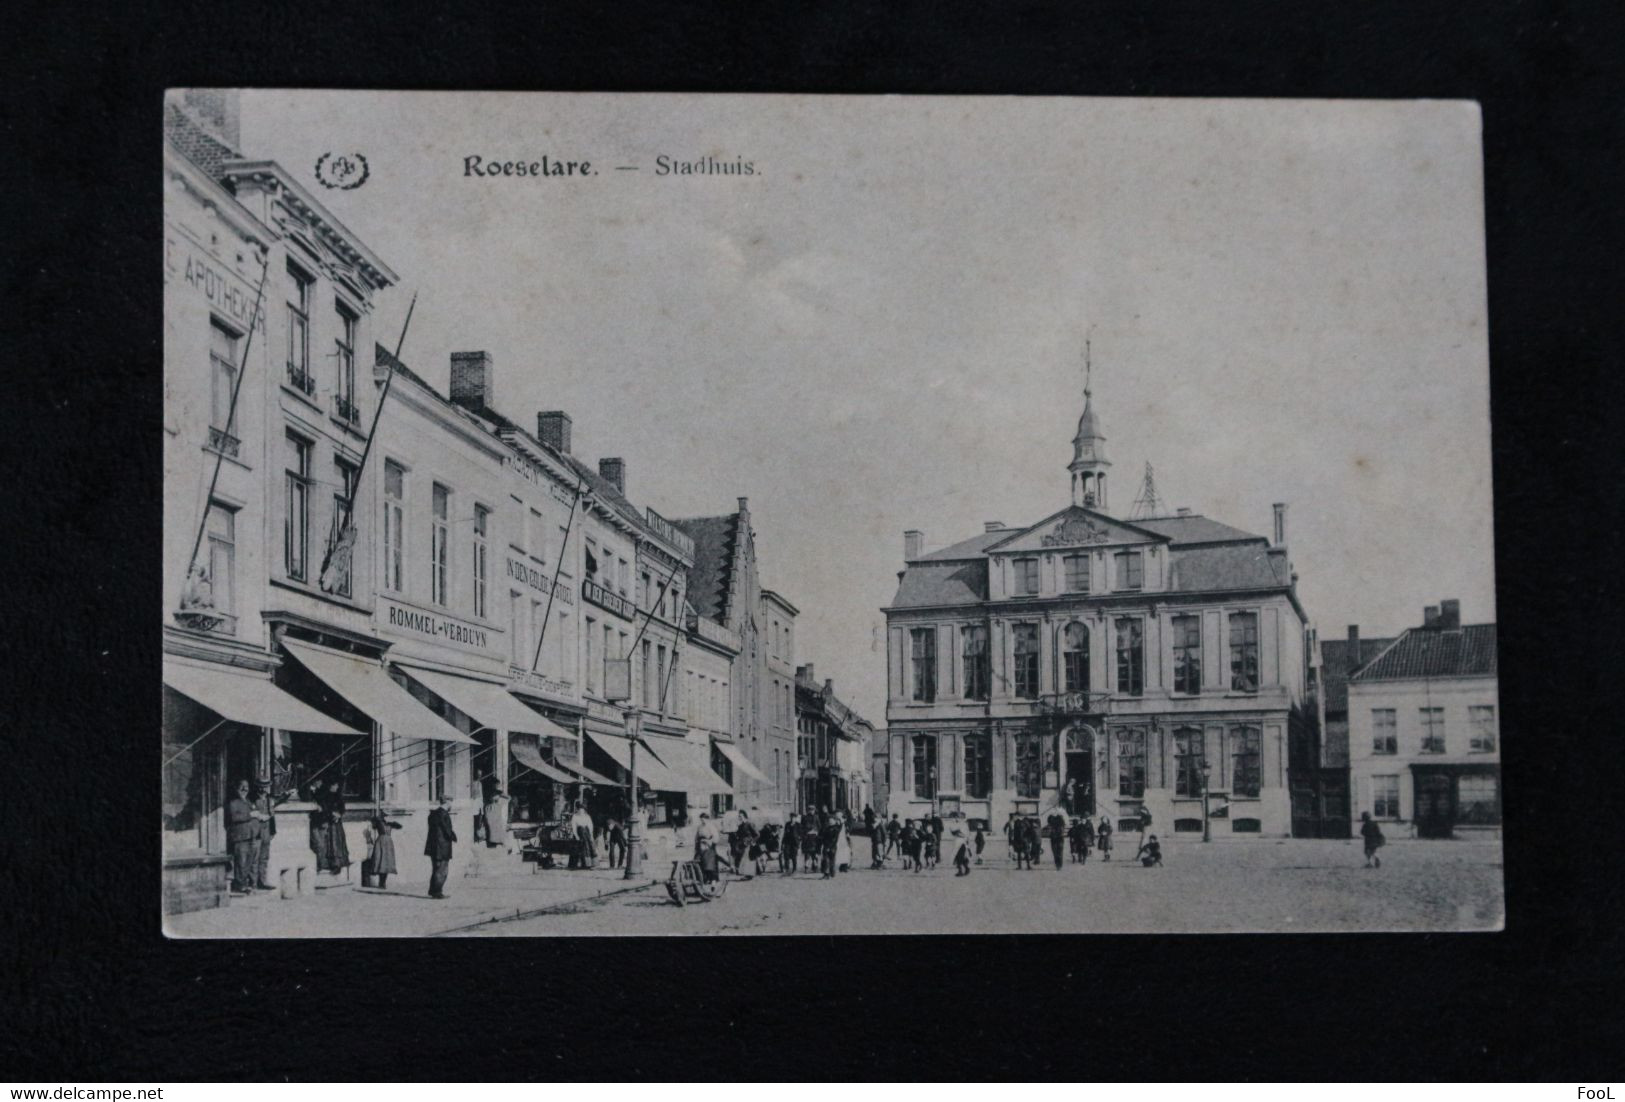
pixel 264 828
pixel 438 847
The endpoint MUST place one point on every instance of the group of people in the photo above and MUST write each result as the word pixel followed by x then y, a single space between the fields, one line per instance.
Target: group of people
pixel 821 840
pixel 1079 835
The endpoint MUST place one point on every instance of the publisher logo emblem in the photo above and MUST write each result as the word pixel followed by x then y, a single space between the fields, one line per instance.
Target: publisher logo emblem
pixel 343 171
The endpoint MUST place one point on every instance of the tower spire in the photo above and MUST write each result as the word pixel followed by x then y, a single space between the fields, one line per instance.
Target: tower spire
pixel 1089 463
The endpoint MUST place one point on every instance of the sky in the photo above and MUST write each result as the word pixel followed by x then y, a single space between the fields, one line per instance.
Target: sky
pixel 883 327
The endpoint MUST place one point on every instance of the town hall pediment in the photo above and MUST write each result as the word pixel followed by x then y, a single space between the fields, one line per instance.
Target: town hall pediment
pixel 1075 527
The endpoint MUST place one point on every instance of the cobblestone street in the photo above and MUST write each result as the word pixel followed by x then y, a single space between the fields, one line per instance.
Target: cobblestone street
pixel 1310 886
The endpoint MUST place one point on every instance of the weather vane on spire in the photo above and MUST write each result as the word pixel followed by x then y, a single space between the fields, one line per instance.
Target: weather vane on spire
pixel 1087 359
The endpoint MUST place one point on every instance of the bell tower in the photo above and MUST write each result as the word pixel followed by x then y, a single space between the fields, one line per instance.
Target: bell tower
pixel 1089 462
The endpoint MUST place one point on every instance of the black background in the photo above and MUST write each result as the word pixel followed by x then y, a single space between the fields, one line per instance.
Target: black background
pixel 98 993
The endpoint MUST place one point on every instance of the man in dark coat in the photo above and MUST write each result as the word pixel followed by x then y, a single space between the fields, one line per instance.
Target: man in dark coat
pixel 438 847
pixel 265 823
pixel 936 832
pixel 894 832
pixel 1057 834
pixel 242 833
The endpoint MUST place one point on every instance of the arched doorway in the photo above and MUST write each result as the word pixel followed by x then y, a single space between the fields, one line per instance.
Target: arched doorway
pixel 1078 759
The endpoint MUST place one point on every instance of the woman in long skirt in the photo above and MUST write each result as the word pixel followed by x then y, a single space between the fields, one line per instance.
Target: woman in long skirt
pixel 382 848
pixel 327 829
pixel 843 848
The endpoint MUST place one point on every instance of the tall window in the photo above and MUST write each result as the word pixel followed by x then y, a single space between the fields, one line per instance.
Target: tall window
pixel 1384 731
pixel 344 484
pixel 648 675
pixel 437 769
pixel 1076 656
pixel 394 532
pixel 1187 654
pixel 973 639
pixel 1246 766
pixel 610 651
pixel 646 591
pixel 1029 765
pixel 1130 655
pixel 623 577
pixel 592 645
pixel 925 767
pixel 1130 569
pixel 1481 720
pixel 1432 730
pixel 439 544
pixel 299 287
pixel 923 648
pixel 1026 577
pixel 591 564
pixel 1187 761
pixel 660 675
pixel 482 520
pixel 222 535
pixel 1244 652
pixel 1385 796
pixel 1026 637
pixel 223 380
pixel 978 765
pixel 1130 763
pixel 296 518
pixel 344 358
pixel 1077 572
pixel 516 613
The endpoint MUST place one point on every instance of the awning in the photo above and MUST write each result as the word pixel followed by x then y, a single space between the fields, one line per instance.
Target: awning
pixel 491 705
pixel 573 765
pixel 741 763
pixel 652 772
pixel 690 762
pixel 366 685
pixel 526 749
pixel 243 698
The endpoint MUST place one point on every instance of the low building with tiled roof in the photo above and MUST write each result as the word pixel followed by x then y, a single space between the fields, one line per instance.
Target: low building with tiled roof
pixel 1097 665
pixel 1424 730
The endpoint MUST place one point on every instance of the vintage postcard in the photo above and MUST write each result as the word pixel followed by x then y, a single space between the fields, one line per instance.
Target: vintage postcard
pixel 605 514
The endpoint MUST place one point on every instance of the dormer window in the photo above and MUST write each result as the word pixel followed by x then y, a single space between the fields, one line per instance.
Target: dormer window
pixel 1026 577
pixel 1130 569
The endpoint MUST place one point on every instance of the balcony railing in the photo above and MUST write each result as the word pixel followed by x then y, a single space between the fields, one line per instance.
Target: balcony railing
pixel 301 380
pixel 223 442
pixel 348 411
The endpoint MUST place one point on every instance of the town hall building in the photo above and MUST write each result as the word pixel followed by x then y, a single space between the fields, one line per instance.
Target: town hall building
pixel 1098 665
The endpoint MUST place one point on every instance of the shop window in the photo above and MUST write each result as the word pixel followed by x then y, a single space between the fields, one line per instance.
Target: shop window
pixel 1478 800
pixel 299 290
pixel 923 650
pixel 1029 765
pixel 482 520
pixel 1130 655
pixel 439 544
pixel 1187 761
pixel 1245 826
pixel 1187 826
pixel 394 532
pixel 973 639
pixel 1075 657
pixel 1385 796
pixel 1130 569
pixel 1026 657
pixel 344 356
pixel 300 761
pixel 1432 730
pixel 925 766
pixel 1244 652
pixel 1131 763
pixel 1187 654
pixel 978 765
pixel 1077 572
pixel 1384 731
pixel 296 515
pixel 1026 577
pixel 1481 722
pixel 1246 767
pixel 221 530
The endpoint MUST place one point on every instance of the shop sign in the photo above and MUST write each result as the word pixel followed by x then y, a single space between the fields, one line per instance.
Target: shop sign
pixel 417 623
pixel 603 598
pixel 225 291
pixel 536 579
pixel 530 679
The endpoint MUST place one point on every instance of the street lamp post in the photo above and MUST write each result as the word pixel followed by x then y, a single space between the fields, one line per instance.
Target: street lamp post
pixel 634 861
pixel 1207 835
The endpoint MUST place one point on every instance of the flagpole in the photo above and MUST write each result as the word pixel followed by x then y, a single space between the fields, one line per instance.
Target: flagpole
pixel 564 549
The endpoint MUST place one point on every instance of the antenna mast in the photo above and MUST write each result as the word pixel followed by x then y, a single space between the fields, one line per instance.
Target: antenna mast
pixel 1148 504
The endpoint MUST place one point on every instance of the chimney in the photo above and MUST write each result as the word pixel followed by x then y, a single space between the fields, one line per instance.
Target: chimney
pixel 553 429
pixel 805 673
pixel 1430 616
pixel 1354 647
pixel 744 505
pixel 1450 614
pixel 1183 511
pixel 912 541
pixel 993 526
pixel 219 110
pixel 829 686
pixel 472 381
pixel 1280 524
pixel 613 471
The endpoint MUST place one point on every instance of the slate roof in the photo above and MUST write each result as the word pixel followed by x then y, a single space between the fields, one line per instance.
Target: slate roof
pixel 968 549
pixel 1232 566
pixel 1334 668
pixel 1435 652
pixel 200 147
pixel 942 583
pixel 1194 529
pixel 711 577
